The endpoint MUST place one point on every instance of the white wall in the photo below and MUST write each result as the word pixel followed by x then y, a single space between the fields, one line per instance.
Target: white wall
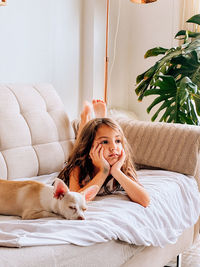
pixel 92 50
pixel 133 29
pixel 40 42
pixel 141 27
pixel 63 42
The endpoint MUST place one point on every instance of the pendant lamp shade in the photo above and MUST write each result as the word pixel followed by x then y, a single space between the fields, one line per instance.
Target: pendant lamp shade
pixel 3 3
pixel 143 1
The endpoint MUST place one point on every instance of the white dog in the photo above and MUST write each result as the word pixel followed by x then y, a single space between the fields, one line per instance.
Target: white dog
pixel 33 200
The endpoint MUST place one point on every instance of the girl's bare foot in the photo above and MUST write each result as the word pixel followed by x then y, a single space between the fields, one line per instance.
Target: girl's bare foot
pixel 85 116
pixel 99 107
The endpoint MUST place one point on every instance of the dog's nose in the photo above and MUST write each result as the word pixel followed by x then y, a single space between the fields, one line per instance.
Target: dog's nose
pixel 81 218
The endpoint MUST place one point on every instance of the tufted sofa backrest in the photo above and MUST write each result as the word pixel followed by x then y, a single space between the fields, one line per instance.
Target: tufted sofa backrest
pixel 35 133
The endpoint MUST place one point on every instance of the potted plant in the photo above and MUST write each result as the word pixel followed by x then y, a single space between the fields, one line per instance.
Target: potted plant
pixel 175 80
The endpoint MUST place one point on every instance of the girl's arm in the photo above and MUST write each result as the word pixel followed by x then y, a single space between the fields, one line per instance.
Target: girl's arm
pixel 101 166
pixel 74 180
pixel 135 191
pixel 98 179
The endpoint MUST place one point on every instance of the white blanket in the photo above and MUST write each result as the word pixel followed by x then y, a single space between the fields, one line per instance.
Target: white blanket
pixel 175 206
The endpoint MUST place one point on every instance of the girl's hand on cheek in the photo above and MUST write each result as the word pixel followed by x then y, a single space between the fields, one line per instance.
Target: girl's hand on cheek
pixel 98 160
pixel 117 166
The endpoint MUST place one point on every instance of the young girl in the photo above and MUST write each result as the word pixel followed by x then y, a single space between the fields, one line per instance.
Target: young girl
pixel 101 157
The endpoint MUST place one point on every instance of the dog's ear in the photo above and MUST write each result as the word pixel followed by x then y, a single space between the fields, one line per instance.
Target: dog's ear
pixel 90 192
pixel 60 188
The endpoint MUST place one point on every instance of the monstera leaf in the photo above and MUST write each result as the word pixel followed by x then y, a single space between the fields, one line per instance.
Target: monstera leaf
pixel 195 19
pixel 185 35
pixel 178 104
pixel 175 81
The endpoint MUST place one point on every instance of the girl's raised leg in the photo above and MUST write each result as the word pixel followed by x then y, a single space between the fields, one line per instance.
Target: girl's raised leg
pixel 100 111
pixel 85 116
pixel 99 107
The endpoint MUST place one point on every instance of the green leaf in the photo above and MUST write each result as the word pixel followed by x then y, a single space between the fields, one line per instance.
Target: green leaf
pixel 186 88
pixel 140 89
pixel 194 115
pixel 196 99
pixel 172 118
pixel 184 118
pixel 155 52
pixel 150 72
pixel 167 112
pixel 140 77
pixel 186 37
pixel 157 91
pixel 156 101
pixel 190 34
pixel 171 115
pixel 165 82
pixel 180 33
pixel 147 74
pixel 195 19
pixel 175 81
pixel 166 104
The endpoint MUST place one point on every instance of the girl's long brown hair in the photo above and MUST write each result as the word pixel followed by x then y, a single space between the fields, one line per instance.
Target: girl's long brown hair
pixel 80 153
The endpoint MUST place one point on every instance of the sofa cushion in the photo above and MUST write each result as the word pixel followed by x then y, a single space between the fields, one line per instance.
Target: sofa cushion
pixel 169 146
pixel 35 133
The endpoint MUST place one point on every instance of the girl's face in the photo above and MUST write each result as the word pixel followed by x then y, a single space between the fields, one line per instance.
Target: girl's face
pixel 111 141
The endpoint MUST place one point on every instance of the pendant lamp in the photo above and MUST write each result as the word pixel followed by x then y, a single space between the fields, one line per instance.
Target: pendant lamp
pixel 3 3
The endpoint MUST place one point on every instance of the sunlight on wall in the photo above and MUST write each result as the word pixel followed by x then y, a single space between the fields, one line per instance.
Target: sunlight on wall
pixel 140 28
pixel 189 9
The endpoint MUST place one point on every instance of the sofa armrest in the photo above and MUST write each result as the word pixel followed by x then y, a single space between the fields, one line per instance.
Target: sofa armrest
pixel 173 147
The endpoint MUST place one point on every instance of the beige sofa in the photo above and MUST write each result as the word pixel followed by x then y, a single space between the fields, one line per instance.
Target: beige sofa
pixel 36 138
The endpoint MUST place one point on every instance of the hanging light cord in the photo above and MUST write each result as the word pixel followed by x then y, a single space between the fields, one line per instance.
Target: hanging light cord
pixel 114 45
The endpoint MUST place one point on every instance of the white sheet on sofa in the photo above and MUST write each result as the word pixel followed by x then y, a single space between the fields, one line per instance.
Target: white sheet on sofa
pixel 175 206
